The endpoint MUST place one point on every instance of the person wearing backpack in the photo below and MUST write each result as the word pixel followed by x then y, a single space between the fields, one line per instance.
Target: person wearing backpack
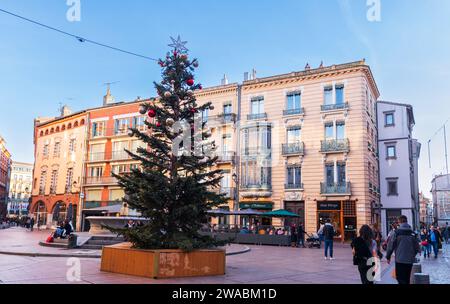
pixel 364 248
pixel 405 244
pixel 328 235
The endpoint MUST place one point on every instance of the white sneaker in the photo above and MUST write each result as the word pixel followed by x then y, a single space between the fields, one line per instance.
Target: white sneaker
pixel 326 258
pixel 331 258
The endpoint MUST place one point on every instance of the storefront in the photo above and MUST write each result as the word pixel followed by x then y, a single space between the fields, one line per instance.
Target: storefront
pixel 342 215
pixel 297 207
pixel 259 206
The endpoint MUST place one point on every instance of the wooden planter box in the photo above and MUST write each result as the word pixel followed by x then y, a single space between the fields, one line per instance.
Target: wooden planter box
pixel 160 264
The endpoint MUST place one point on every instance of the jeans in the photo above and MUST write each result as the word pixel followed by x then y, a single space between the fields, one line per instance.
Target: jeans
pixel 321 239
pixel 435 248
pixel 426 250
pixel 403 273
pixel 329 246
pixel 363 271
pixel 301 241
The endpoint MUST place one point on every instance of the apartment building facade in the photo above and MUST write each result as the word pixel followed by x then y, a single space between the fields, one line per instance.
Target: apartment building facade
pixel 5 171
pixel 106 143
pixel 440 191
pixel 58 168
pixel 399 154
pixel 20 189
pixel 304 141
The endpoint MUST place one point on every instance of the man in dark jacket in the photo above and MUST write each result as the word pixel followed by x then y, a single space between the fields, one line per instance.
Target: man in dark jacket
pixel 328 234
pixel 405 244
pixel 301 235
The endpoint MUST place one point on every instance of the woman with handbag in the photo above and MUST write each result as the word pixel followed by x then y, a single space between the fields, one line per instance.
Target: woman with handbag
pixel 425 242
pixel 364 249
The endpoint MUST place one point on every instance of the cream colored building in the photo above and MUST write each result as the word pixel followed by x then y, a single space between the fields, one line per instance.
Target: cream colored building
pixel 60 145
pixel 19 189
pixel 305 141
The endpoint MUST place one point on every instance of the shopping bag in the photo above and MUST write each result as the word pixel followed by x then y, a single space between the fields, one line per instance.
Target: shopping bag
pixel 50 239
pixel 394 274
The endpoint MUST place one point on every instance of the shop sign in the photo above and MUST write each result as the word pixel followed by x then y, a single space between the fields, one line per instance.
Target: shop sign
pixel 256 206
pixel 329 206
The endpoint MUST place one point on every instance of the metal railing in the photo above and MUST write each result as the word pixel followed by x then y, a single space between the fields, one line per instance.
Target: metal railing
pixel 226 157
pixel 252 186
pixel 257 116
pixel 297 111
pixel 335 145
pixel 335 188
pixel 332 107
pixel 293 148
pixel 228 191
pixel 109 132
pixel 296 186
pixel 100 180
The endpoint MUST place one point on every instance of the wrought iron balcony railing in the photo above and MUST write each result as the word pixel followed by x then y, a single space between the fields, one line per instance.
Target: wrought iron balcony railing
pixel 100 180
pixel 297 111
pixel 256 116
pixel 293 148
pixel 335 188
pixel 335 145
pixel 332 107
pixel 297 186
pixel 256 186
pixel 226 157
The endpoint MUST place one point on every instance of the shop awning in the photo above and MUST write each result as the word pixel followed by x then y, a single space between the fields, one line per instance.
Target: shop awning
pixel 280 213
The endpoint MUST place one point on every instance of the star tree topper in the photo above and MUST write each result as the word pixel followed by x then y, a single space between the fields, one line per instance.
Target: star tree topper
pixel 179 45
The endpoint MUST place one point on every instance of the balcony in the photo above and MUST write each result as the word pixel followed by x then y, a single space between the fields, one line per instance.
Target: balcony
pixel 100 180
pixel 98 156
pixel 290 112
pixel 335 188
pixel 97 204
pixel 334 107
pixel 297 186
pixel 256 116
pixel 293 148
pixel 257 151
pixel 226 157
pixel 221 119
pixel 111 132
pixel 256 186
pixel 120 155
pixel 335 145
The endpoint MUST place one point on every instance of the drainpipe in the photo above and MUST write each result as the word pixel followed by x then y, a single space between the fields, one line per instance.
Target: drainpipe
pixel 237 131
pixel 83 169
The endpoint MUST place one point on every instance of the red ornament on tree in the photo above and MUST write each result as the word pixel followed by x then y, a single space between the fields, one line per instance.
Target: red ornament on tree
pixel 190 82
pixel 175 53
pixel 158 124
pixel 193 110
pixel 200 87
pixel 151 113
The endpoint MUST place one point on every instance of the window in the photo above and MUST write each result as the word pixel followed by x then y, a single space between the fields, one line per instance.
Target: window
pixel 257 139
pixel 328 95
pixel 227 112
pixel 116 195
pixel 46 150
pixel 95 171
pixel 329 174
pixel 57 149
pixel 139 123
pixel 121 125
pixel 42 182
pixel 391 152
pixel 293 135
pixel 335 131
pixel 69 180
pixel 294 175
pixel 389 119
pixel 257 105
pixel 329 131
pixel 54 182
pixel 340 130
pixel 226 143
pixel 255 175
pixel 72 145
pixel 98 129
pixel 294 101
pixel 339 94
pixel 392 187
pixel 339 170
pixel 119 169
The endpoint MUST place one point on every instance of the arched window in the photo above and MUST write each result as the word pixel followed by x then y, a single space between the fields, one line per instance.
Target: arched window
pixel 82 122
pixel 46 132
pixel 57 129
pixel 63 128
pixel 69 126
pixel 52 130
pixel 42 133
pixel 75 124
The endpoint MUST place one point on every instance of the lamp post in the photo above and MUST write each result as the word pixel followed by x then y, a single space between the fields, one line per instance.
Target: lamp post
pixel 236 197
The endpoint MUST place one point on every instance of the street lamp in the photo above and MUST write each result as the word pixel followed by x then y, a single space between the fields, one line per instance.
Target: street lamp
pixel 236 197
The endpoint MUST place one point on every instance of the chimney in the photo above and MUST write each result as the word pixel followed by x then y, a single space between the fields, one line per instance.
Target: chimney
pixel 108 98
pixel 253 74
pixel 246 76
pixel 65 111
pixel 224 80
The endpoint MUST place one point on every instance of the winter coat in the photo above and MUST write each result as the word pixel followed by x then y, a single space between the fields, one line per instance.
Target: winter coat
pixel 405 244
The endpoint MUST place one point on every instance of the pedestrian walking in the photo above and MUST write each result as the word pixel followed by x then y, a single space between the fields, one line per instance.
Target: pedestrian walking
pixel 320 233
pixel 364 250
pixel 377 237
pixel 425 242
pixel 32 224
pixel 301 235
pixel 435 239
pixel 405 244
pixel 293 236
pixel 328 236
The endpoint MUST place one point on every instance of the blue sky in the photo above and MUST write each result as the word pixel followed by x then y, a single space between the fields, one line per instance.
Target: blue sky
pixel 407 51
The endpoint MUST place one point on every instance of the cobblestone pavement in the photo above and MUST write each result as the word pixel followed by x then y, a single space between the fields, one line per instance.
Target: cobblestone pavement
pixel 438 269
pixel 262 265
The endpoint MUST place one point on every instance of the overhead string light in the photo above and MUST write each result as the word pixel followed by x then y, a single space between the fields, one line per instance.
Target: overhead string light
pixel 79 38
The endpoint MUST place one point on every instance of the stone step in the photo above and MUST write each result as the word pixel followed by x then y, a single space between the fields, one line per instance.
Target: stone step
pixel 92 247
pixel 106 238
pixel 102 242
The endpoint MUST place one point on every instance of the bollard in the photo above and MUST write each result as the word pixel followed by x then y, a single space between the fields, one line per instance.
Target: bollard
pixel 421 279
pixel 417 268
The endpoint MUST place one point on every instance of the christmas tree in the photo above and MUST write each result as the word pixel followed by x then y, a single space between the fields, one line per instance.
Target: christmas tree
pixel 174 186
